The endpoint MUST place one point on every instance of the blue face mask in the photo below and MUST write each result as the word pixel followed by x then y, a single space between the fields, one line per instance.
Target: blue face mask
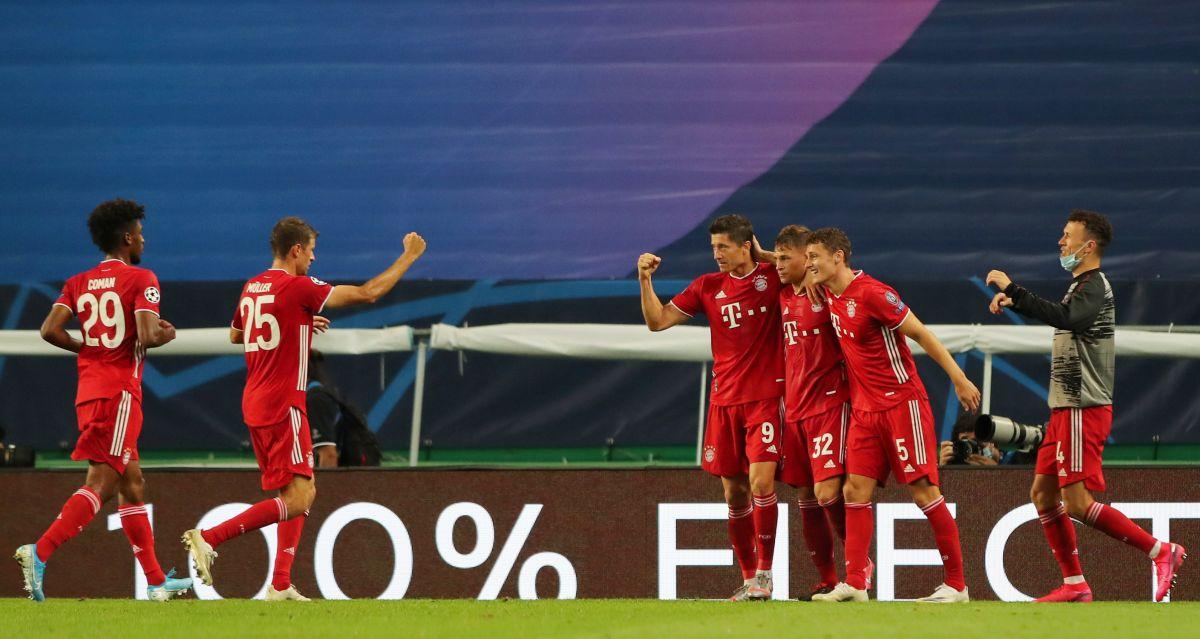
pixel 1069 262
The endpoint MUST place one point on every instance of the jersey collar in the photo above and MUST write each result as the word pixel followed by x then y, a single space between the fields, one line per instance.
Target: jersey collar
pixel 752 272
pixel 857 274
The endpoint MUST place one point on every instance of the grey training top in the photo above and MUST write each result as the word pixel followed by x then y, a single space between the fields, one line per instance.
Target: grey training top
pixel 1083 364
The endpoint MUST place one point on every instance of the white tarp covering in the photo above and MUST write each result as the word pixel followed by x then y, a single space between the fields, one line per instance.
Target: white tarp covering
pixel 616 341
pixel 215 341
pixel 690 343
pixel 593 341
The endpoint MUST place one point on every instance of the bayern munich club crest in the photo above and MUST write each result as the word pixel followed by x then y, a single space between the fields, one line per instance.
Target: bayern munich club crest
pixel 710 453
pixel 816 307
pixel 760 283
pixel 850 306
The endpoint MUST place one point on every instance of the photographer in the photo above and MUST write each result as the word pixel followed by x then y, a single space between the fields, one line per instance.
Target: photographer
pixel 969 447
pixel 964 448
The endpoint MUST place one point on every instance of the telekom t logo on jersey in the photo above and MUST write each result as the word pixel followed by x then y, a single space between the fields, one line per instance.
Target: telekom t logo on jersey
pixel 731 313
pixel 789 331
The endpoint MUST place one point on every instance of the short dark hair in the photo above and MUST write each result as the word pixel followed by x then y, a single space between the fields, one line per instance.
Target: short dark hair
pixel 737 227
pixel 112 219
pixel 793 236
pixel 289 232
pixel 1096 226
pixel 964 424
pixel 833 239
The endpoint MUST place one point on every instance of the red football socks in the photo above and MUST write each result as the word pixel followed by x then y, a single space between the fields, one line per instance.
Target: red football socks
pixel 945 535
pixel 818 538
pixel 1115 524
pixel 136 524
pixel 766 518
pixel 264 513
pixel 1060 534
pixel 860 525
pixel 75 514
pixel 835 510
pixel 741 536
pixel 288 535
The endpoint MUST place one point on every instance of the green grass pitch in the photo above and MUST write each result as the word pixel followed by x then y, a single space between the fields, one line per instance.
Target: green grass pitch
pixel 590 618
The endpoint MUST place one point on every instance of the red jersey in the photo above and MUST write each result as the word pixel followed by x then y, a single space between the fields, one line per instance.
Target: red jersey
pixel 747 344
pixel 865 317
pixel 275 313
pixel 816 377
pixel 105 299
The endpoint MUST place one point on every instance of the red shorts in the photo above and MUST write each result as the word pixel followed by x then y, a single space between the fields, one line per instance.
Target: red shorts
pixel 283 450
pixel 821 446
pixel 900 437
pixel 1074 445
pixel 743 434
pixel 108 430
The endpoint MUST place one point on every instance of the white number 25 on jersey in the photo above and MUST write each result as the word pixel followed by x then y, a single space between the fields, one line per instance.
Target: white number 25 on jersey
pixel 254 315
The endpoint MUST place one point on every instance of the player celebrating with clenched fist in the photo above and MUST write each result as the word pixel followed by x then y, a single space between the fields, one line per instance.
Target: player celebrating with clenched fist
pixel 275 319
pixel 743 443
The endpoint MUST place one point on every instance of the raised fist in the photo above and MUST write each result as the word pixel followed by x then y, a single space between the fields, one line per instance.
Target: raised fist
pixel 414 245
pixel 648 263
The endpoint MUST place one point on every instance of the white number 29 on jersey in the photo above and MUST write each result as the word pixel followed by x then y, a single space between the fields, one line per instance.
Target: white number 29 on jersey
pixel 254 315
pixel 108 312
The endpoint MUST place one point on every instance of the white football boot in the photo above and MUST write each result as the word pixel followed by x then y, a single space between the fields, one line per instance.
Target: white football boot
pixel 842 592
pixel 946 594
pixel 288 594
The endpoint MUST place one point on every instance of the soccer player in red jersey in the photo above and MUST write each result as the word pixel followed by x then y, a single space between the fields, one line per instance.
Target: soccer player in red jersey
pixel 818 406
pixel 1082 372
pixel 891 421
pixel 743 439
pixel 117 304
pixel 275 319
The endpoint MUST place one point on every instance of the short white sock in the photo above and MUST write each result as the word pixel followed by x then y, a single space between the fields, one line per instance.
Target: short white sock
pixel 1074 581
pixel 763 572
pixel 1155 550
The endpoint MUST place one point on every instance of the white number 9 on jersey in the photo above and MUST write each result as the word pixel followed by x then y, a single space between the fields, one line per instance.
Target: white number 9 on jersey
pixel 254 315
pixel 768 432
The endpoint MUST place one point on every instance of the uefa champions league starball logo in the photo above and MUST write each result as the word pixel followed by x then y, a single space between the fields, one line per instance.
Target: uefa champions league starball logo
pixel 760 283
pixel 316 281
pixel 152 295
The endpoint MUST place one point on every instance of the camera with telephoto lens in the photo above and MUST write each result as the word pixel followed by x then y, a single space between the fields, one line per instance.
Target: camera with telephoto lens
pixel 964 448
pixel 1006 433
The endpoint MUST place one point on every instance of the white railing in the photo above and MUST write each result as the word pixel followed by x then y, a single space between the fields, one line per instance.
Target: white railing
pixel 623 342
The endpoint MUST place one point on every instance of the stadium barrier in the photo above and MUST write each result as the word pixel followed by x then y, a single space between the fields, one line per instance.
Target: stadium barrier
pixel 624 342
pixel 653 533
